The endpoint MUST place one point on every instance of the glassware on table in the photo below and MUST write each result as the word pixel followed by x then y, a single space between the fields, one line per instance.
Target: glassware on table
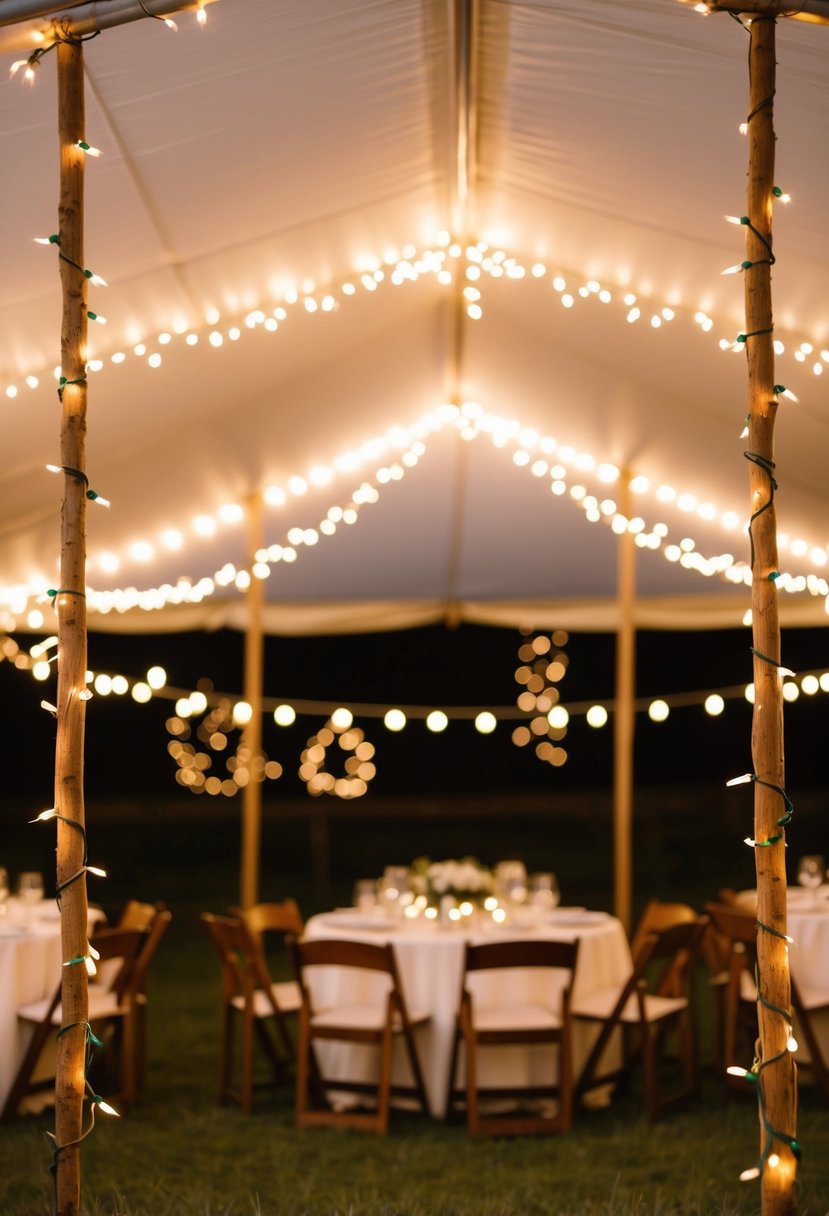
pixel 810 871
pixel 365 893
pixel 544 892
pixel 511 881
pixel 4 889
pixel 394 890
pixel 30 887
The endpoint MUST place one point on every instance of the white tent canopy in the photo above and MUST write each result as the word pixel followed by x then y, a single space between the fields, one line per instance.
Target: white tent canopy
pixel 278 214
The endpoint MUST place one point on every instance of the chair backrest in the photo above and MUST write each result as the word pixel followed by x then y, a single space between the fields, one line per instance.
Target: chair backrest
pixel 150 934
pixel 122 948
pixel 524 953
pixel 335 952
pixel 282 917
pixel 232 944
pixel 138 915
pixel 667 956
pixel 154 931
pixel 737 929
pixel 657 916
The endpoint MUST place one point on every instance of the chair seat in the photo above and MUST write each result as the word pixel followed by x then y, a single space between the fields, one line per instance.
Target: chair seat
pixel 600 1005
pixel 286 994
pixel 362 1017
pixel 515 1017
pixel 101 1005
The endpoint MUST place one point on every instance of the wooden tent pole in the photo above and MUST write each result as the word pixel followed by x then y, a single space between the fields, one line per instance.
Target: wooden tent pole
pixel 777 1089
pixel 624 718
pixel 70 604
pixel 252 735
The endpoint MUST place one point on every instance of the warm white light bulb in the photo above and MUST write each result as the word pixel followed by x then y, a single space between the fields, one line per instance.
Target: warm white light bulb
pixel 394 719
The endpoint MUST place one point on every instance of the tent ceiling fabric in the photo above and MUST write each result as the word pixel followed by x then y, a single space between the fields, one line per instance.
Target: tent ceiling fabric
pixel 292 146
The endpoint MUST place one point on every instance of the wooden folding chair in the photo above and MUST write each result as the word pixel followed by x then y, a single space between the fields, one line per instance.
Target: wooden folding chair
pixel 353 1022
pixel 113 1003
pixel 739 928
pixel 266 924
pixel 248 995
pixel 500 1023
pixel 642 1004
pixel 154 920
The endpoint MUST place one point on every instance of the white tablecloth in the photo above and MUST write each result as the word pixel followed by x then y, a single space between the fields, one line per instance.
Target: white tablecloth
pixel 807 921
pixel 808 924
pixel 430 962
pixel 30 969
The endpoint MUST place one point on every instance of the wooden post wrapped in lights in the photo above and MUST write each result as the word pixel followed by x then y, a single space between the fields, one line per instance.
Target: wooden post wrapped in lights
pixel 775 1070
pixel 70 605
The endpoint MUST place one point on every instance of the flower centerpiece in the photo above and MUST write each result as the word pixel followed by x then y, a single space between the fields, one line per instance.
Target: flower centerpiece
pixel 464 879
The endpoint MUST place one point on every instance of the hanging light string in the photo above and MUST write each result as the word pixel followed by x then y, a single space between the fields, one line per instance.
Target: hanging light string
pixel 471 427
pixel 60 32
pixel 808 682
pixel 730 572
pixel 168 21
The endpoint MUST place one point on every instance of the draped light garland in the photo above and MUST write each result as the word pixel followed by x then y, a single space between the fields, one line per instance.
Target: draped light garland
pixel 211 717
pixel 568 470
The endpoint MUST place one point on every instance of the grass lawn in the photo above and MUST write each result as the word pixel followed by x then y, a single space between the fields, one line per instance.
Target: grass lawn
pixel 180 1154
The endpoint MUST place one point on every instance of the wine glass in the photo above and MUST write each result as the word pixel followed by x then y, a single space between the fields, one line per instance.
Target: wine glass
pixel 4 889
pixel 394 890
pixel 810 870
pixel 365 894
pixel 544 892
pixel 30 888
pixel 511 881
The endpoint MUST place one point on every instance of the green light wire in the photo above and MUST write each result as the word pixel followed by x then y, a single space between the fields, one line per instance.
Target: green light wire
pixel 73 878
pixel 755 333
pixel 62 383
pixel 54 592
pixel 771 259
pixel 767 465
pixel 77 473
pixel 73 823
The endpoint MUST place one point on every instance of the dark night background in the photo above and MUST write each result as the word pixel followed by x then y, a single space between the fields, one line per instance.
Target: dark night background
pixel 438 794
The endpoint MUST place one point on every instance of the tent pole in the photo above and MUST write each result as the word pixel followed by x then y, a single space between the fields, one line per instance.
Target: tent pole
pixel 625 717
pixel 252 736
pixel 70 603
pixel 776 1084
pixel 464 24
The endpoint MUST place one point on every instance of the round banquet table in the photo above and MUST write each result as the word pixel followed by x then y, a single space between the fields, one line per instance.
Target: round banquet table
pixel 30 968
pixel 430 964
